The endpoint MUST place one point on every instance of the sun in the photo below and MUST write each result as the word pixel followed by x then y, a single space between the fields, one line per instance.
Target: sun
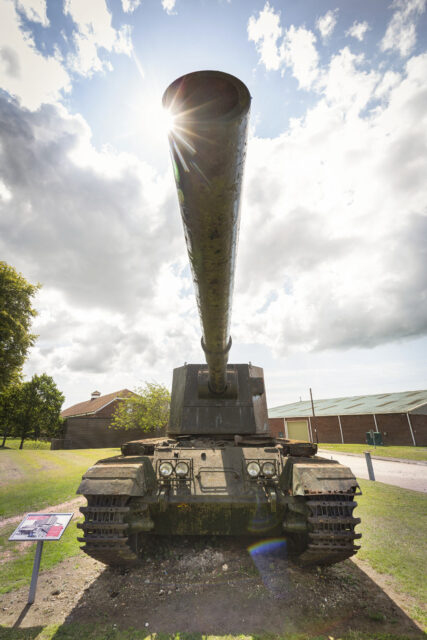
pixel 166 120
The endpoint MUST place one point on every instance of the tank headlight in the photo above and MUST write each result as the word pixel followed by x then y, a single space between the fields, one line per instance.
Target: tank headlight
pixel 166 469
pixel 268 469
pixel 253 469
pixel 181 469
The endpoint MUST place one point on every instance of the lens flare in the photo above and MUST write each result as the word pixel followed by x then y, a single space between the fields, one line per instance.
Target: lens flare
pixel 168 119
pixel 271 559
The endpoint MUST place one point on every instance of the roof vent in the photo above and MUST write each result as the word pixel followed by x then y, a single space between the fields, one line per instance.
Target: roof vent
pixel 95 395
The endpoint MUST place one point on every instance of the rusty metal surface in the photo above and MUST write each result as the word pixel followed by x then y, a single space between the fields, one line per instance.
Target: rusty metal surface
pixel 208 145
pixel 309 478
pixel 193 412
pixel 124 477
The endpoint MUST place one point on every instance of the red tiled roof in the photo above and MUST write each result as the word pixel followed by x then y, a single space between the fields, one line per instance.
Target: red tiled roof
pixel 94 405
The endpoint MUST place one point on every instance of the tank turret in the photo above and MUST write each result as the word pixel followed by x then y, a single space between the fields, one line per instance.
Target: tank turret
pixel 210 112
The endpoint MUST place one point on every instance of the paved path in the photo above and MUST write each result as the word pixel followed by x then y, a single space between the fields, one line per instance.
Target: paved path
pixel 401 474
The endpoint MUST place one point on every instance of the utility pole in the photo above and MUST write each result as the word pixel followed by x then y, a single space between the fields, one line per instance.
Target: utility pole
pixel 314 416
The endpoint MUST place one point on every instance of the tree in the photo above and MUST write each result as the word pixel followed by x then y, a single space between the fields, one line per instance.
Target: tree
pixel 16 314
pixel 148 409
pixel 37 410
pixel 9 399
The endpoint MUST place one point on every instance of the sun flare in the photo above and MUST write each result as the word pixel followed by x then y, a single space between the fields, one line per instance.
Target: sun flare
pixel 167 120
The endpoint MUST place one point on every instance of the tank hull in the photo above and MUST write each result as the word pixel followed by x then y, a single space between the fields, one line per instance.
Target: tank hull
pixel 309 500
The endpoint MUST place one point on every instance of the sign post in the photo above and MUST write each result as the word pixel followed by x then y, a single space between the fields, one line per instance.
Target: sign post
pixel 35 575
pixel 369 465
pixel 40 527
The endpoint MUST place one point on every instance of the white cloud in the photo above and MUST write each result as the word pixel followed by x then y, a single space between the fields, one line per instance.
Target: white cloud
pixel 34 10
pixel 94 31
pixel 106 214
pixel 401 30
pixel 129 6
pixel 169 6
pixel 102 232
pixel 358 30
pixel 25 73
pixel 389 80
pixel 34 78
pixel 346 84
pixel 326 24
pixel 265 32
pixel 5 194
pixel 334 211
pixel 298 52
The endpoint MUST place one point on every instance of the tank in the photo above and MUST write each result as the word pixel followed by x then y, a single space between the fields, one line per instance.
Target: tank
pixel 218 471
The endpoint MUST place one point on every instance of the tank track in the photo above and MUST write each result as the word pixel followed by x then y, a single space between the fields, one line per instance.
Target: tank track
pixel 105 530
pixel 331 532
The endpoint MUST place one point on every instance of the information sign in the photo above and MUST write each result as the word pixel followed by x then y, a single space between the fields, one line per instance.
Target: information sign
pixel 40 527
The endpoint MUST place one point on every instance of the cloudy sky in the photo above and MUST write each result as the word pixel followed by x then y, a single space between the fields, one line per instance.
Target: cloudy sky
pixel 331 283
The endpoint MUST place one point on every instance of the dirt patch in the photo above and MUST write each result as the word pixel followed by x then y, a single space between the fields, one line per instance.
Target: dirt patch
pixel 63 507
pixel 214 586
pixel 11 471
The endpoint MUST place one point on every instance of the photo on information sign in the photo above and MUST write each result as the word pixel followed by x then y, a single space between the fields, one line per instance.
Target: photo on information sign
pixel 42 526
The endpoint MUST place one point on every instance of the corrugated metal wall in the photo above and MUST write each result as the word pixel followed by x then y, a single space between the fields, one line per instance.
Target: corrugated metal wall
pixel 394 428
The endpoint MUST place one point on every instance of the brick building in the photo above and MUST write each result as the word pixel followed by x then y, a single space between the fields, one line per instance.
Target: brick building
pixel 87 424
pixel 401 418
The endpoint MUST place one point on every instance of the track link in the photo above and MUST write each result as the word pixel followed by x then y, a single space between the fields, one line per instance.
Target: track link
pixel 105 531
pixel 331 532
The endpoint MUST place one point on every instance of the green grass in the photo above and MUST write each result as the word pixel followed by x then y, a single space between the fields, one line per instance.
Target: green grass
pixel 407 453
pixel 393 526
pixel 43 477
pixel 111 632
pixel 13 443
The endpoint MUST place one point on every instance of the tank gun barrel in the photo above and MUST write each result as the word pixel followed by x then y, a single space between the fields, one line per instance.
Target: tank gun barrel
pixel 210 112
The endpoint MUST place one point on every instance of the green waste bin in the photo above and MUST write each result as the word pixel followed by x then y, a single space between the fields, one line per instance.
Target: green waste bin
pixel 378 439
pixel 374 438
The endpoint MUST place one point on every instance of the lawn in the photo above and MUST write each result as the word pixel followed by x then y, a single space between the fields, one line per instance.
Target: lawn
pixel 393 526
pixel 13 443
pixel 407 453
pixel 42 478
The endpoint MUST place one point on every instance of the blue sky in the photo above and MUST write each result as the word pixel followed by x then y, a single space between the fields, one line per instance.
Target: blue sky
pixel 331 286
